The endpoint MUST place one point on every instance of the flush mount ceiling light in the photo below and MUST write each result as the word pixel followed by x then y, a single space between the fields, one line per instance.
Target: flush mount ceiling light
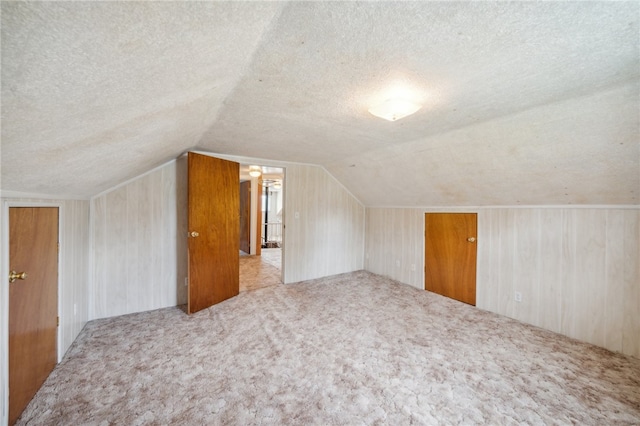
pixel 394 109
pixel 255 171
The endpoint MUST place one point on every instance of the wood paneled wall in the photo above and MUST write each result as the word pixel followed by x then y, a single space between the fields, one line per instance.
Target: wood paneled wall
pixel 395 243
pixel 74 265
pixel 578 269
pixel 139 255
pixel 324 225
pixel 134 245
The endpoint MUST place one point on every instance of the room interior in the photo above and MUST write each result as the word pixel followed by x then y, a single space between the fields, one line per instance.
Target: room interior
pixel 527 116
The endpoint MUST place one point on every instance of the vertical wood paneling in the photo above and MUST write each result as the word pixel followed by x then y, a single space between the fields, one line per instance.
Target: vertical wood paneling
pixel 324 226
pixel 173 290
pixel 134 246
pixel 506 240
pixel 614 296
pixel 74 252
pixel 526 263
pixel 152 238
pixel 590 262
pixel 550 257
pixel 487 294
pixel 116 261
pixel 578 269
pixel 631 307
pixel 395 244
pixel 99 287
pixel 569 282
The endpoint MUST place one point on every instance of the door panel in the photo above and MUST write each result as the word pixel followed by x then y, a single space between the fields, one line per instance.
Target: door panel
pixel 33 302
pixel 245 216
pixel 450 255
pixel 214 202
pixel 258 218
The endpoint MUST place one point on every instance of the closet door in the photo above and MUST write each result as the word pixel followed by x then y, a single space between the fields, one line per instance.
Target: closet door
pixel 450 255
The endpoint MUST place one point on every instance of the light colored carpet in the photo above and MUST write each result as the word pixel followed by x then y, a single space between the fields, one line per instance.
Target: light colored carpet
pixel 351 349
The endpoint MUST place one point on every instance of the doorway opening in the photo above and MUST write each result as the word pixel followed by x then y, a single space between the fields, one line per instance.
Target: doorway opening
pixel 261 226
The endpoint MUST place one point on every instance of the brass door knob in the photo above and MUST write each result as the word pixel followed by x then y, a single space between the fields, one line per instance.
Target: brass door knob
pixel 13 275
pixel 471 239
pixel 194 234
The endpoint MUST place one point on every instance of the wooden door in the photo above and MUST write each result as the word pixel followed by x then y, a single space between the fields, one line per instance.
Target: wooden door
pixel 214 231
pixel 33 302
pixel 450 255
pixel 258 218
pixel 245 216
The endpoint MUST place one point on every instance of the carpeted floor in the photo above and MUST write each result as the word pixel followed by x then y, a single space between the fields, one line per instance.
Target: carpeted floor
pixel 351 349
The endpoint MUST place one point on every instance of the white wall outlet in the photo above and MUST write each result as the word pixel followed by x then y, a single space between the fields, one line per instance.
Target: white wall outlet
pixel 398 263
pixel 517 296
pixel 296 215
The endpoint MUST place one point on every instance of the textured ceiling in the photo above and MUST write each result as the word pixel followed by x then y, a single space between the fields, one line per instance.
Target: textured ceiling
pixel 524 103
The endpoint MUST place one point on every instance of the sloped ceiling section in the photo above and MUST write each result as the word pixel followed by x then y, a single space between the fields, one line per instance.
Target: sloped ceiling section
pixel 94 93
pixel 523 103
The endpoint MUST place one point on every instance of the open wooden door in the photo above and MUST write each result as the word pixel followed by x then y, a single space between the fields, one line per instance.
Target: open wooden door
pixel 245 216
pixel 450 255
pixel 33 302
pixel 214 231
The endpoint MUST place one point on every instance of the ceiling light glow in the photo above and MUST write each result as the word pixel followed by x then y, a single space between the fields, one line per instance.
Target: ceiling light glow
pixel 394 109
pixel 255 171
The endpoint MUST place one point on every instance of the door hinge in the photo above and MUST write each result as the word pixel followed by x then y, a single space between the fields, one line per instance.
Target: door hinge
pixel 57 321
pixel 58 247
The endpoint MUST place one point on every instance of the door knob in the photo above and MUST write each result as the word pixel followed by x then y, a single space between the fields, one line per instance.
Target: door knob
pixel 471 239
pixel 193 234
pixel 13 275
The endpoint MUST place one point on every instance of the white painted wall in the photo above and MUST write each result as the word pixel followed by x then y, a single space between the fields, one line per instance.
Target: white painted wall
pixel 324 225
pixel 578 269
pixel 73 276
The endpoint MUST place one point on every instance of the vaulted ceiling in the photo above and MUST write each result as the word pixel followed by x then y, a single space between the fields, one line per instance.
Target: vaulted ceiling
pixel 523 102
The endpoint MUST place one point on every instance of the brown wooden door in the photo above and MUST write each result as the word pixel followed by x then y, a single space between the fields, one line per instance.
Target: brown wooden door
pixel 258 218
pixel 33 302
pixel 245 216
pixel 214 229
pixel 450 255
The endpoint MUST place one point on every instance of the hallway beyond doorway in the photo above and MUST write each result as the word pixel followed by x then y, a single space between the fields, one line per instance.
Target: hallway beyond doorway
pixel 260 271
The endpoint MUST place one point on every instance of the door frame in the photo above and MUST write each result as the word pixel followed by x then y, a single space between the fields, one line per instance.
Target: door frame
pixel 263 162
pixel 4 293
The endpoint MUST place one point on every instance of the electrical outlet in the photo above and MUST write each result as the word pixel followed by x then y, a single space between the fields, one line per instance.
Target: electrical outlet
pixel 517 296
pixel 398 263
